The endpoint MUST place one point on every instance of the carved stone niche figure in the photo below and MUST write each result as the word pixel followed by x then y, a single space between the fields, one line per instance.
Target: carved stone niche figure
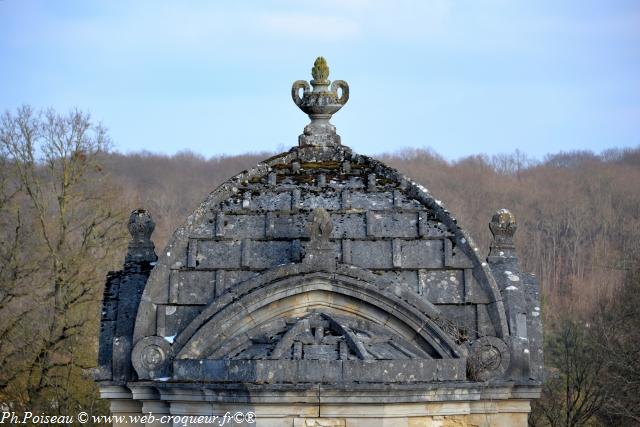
pixel 319 251
pixel 321 227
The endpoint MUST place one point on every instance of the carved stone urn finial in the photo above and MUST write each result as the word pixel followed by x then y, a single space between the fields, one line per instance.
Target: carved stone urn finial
pixel 320 104
pixel 141 226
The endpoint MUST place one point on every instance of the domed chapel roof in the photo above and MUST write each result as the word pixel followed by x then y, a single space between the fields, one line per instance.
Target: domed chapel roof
pixel 320 265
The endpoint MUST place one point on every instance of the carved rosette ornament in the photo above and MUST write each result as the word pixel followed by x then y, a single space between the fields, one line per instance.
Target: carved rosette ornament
pixel 320 104
pixel 489 358
pixel 141 226
pixel 149 357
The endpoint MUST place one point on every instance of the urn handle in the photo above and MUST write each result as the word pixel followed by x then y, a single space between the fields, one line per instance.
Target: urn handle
pixel 295 91
pixel 340 84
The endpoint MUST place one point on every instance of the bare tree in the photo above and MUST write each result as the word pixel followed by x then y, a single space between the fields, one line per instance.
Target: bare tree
pixel 575 391
pixel 618 335
pixel 63 232
pixel 579 216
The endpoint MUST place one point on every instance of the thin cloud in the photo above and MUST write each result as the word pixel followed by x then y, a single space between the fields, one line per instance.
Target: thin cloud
pixel 317 27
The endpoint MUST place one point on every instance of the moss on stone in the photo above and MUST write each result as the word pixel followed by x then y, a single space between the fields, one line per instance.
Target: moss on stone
pixel 320 165
pixel 320 70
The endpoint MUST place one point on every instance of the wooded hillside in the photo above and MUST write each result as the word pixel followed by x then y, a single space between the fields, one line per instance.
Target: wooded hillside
pixel 63 209
pixel 578 213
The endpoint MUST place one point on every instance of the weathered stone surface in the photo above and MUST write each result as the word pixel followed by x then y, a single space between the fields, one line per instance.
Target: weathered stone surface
pixel 218 254
pixel 392 224
pixel 504 264
pixel 371 201
pixel 485 327
pixel 490 358
pixel 374 254
pixel 259 201
pixel 172 319
pixel 430 228
pixel 349 226
pixel 473 291
pixel 228 278
pixel 105 350
pixel 422 254
pixel 122 294
pixel 150 358
pixel 319 371
pixel 407 278
pixel 444 286
pixel 141 248
pixel 191 287
pixel 286 225
pixel 243 226
pixel 327 199
pixel 265 254
pixel 534 326
pixel 463 317
pixel 405 370
pixel 110 296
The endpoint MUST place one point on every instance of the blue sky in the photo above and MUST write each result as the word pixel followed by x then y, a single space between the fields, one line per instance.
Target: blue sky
pixel 461 77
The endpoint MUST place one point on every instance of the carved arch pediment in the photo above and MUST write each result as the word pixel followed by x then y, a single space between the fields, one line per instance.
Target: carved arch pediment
pixel 278 198
pixel 345 294
pixel 265 317
pixel 320 335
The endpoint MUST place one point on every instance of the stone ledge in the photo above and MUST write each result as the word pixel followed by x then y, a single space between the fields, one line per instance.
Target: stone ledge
pixel 468 406
pixel 331 394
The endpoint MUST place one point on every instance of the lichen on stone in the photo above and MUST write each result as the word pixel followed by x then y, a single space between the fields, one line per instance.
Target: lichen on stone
pixel 320 70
